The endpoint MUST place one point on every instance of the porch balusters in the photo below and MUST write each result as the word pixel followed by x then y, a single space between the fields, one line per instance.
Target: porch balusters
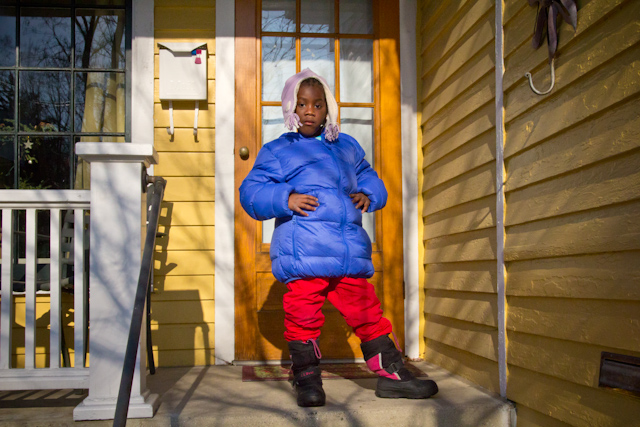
pixel 29 203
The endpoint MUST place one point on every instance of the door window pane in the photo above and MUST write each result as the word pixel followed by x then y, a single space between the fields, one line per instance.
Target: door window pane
pixel 356 70
pixel 100 38
pixel 319 55
pixel 45 100
pixel 268 227
pixel 45 37
pixel 44 162
pixel 279 15
pixel 317 16
pixel 358 122
pixel 356 17
pixel 100 102
pixel 272 124
pixel 7 169
pixel 7 36
pixel 272 128
pixel 278 64
pixel 7 101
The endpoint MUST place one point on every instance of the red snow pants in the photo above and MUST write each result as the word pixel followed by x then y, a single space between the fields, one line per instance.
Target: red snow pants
pixel 355 299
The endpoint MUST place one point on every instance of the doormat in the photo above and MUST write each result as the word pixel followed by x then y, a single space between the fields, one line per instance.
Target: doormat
pixel 330 371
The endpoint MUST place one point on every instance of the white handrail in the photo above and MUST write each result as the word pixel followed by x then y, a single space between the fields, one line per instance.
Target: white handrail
pixel 44 199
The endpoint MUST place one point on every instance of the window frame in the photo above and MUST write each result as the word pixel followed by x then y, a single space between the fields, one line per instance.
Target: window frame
pixel 72 6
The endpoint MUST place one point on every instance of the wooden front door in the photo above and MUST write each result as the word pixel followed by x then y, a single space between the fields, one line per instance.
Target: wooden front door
pixel 354 45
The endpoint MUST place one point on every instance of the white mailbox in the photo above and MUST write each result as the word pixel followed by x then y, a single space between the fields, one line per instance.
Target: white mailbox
pixel 183 75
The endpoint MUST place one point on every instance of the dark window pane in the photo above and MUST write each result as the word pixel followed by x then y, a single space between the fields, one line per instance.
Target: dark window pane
pixel 45 162
pixel 100 3
pixel 7 36
pixel 7 101
pixel 279 15
pixel 7 169
pixel 45 101
pixel 100 38
pixel 45 37
pixel 100 102
pixel 50 2
pixel 43 247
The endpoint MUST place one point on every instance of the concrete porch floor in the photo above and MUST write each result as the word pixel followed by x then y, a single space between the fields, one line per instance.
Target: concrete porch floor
pixel 216 396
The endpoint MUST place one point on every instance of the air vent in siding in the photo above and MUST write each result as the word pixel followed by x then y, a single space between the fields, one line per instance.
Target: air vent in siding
pixel 620 371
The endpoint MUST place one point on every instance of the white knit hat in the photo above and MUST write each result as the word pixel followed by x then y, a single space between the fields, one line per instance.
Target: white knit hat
pixel 290 100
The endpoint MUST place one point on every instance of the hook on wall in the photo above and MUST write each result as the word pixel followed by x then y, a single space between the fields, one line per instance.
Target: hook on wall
pixel 553 80
pixel 546 27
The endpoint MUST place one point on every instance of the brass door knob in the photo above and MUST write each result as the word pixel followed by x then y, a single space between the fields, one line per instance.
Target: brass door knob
pixel 244 153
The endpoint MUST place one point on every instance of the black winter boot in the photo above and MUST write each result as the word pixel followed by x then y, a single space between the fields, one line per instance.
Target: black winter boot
pixel 307 381
pixel 395 380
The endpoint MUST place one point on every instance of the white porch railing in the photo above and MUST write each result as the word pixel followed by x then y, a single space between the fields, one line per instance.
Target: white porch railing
pixel 66 245
pixel 117 218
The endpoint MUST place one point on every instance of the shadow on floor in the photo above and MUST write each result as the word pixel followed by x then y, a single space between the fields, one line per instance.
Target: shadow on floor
pixel 41 398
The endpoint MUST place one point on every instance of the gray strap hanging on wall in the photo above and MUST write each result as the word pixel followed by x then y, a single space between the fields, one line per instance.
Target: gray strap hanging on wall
pixel 546 21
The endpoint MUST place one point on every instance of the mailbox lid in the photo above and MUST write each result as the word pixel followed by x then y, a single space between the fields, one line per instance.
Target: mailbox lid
pixel 183 71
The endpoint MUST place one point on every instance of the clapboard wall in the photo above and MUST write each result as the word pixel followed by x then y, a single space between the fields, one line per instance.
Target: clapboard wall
pixel 183 302
pixel 572 222
pixel 571 204
pixel 456 75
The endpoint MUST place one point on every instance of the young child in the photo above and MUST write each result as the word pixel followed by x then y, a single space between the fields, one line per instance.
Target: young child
pixel 317 185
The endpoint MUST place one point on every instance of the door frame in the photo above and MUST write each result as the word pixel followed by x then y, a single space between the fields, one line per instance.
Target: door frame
pixel 224 338
pixel 246 107
pixel 411 191
pixel 224 291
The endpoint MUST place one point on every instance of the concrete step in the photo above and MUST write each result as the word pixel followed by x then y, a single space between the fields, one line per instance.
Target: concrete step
pixel 216 396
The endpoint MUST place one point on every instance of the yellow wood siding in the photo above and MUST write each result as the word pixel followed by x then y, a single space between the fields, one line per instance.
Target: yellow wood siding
pixel 572 204
pixel 458 187
pixel 183 302
pixel 42 344
pixel 572 214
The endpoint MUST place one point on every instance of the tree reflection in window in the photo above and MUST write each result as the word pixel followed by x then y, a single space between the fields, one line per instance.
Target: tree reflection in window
pixel 44 101
pixel 67 70
pixel 45 37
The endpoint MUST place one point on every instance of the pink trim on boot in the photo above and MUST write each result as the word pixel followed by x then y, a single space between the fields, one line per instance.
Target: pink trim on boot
pixel 375 364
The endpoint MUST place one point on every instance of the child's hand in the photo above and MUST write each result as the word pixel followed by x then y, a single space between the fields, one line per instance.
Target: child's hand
pixel 302 202
pixel 361 201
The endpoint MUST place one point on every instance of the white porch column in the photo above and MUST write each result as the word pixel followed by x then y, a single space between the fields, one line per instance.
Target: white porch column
pixel 115 255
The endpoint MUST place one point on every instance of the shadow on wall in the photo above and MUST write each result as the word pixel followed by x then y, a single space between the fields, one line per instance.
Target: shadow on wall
pixel 180 332
pixel 43 340
pixel 161 267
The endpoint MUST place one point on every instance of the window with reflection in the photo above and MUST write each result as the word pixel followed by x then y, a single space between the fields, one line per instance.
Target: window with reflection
pixel 63 79
pixel 335 40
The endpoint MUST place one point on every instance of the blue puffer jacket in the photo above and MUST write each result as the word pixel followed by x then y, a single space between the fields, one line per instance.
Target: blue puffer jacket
pixel 330 242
